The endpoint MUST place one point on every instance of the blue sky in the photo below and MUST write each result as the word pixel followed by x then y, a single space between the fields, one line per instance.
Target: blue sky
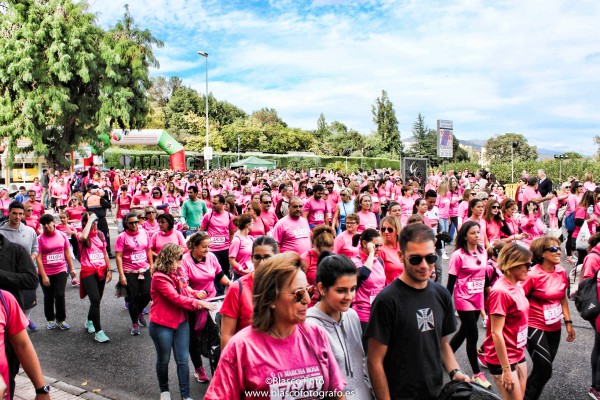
pixel 531 67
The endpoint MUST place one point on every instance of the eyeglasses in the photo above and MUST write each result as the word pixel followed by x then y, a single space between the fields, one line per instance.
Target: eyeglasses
pixel 295 206
pixel 155 193
pixel 133 222
pixel 150 212
pixel 258 258
pixel 389 229
pixel 553 249
pixel 299 294
pixel 495 207
pixel 416 259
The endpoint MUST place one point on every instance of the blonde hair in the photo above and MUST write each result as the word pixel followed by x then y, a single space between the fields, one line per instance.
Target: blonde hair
pixel 513 255
pixel 169 254
pixel 270 279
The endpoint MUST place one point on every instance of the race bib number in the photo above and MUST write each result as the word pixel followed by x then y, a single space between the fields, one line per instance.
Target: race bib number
pixel 139 256
pixel 552 312
pixel 371 298
pixel 300 233
pixel 96 256
pixel 55 258
pixel 319 216
pixel 522 337
pixel 475 286
pixel 144 202
pixel 64 197
pixel 124 212
pixel 217 239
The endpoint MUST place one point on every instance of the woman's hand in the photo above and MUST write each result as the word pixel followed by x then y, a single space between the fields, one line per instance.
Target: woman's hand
pixel 371 248
pixel 570 333
pixel 507 380
pixel 206 305
pixel 73 274
pixel 45 281
pixel 201 294
pixel 122 280
pixel 108 276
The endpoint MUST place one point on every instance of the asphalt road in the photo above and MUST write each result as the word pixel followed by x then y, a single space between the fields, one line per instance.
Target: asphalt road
pixel 124 367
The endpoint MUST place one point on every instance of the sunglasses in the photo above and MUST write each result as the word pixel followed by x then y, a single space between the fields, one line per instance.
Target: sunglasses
pixel 389 229
pixel 266 202
pixel 258 258
pixel 567 187
pixel 528 265
pixel 553 249
pixel 299 294
pixel 180 257
pixel 495 207
pixel 417 260
pixel 133 222
pixel 484 199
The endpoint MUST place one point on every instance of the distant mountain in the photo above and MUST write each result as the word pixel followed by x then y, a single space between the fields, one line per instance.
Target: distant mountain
pixel 542 152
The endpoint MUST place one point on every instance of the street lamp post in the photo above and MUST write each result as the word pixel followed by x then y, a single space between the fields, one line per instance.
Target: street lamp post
pixel 560 158
pixel 238 147
pixel 206 151
pixel 513 145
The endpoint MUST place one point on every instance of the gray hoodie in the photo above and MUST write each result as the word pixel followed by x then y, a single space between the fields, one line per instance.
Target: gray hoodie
pixel 345 340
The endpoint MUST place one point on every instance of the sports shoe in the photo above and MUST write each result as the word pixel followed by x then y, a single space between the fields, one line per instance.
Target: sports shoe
pixel 135 329
pixel 51 325
pixel 64 326
pixel 165 396
pixel 484 322
pixel 126 305
pixel 481 380
pixel 141 320
pixel 89 325
pixel 445 256
pixel 101 337
pixel 594 393
pixel 32 326
pixel 146 311
pixel 74 282
pixel 200 375
pixel 481 358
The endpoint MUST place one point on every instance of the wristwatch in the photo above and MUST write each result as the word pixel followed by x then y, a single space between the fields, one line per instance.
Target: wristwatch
pixel 43 390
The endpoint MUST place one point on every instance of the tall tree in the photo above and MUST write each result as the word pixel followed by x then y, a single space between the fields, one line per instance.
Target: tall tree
pixel 423 146
pixel 386 125
pixel 322 131
pixel 498 148
pixel 60 84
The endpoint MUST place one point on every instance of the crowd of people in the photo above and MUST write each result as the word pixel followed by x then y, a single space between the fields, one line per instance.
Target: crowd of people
pixel 331 283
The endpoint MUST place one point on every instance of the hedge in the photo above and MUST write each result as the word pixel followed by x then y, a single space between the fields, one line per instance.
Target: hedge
pixel 159 160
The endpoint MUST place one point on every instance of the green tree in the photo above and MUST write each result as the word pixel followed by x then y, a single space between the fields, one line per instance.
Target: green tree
pixel 498 149
pixel 322 132
pixel 573 155
pixel 61 84
pixel 386 125
pixel 268 116
pixel 162 89
pixel 597 143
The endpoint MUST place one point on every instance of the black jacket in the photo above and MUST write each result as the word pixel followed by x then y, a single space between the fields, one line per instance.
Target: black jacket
pixel 545 187
pixel 17 272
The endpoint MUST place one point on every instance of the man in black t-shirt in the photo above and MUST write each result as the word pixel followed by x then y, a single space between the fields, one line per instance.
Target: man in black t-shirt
pixel 410 322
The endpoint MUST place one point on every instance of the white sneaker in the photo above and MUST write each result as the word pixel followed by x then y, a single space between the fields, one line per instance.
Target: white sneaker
pixel 445 256
pixel 165 396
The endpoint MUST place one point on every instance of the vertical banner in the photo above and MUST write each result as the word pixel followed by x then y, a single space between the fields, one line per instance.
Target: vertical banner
pixel 415 169
pixel 445 138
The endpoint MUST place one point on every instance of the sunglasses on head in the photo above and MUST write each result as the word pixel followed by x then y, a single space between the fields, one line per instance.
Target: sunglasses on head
pixel 389 229
pixel 553 249
pixel 417 260
pixel 299 293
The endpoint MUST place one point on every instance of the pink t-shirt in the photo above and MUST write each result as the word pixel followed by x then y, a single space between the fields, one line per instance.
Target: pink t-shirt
pixel 462 210
pixel 292 235
pixel 269 218
pixel 218 227
pixel 392 264
pixel 528 194
pixel 134 247
pixel 532 225
pixel 366 220
pixel 10 324
pixel 454 203
pixel 469 270
pixel 509 301
pixel 482 229
pixel 406 204
pixel 239 308
pixel 316 210
pixel 124 206
pixel 39 189
pixel 151 228
pixel 255 361
pixel 443 204
pixel 75 213
pixel 545 290
pixel 241 251
pixel 53 248
pixel 93 256
pixel 493 230
pixel 159 239
pixel 201 274
pixel 342 244
pixel 142 199
pixel 370 287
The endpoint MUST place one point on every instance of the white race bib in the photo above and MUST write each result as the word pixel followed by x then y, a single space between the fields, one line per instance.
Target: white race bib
pixel 96 256
pixel 552 312
pixel 522 337
pixel 319 216
pixel 55 258
pixel 138 256
pixel 475 286
pixel 217 239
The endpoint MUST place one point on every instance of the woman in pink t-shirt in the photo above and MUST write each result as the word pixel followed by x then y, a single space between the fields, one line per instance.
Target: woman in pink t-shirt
pixel 462 210
pixel 495 225
pixel 202 269
pixel 240 249
pixel 371 274
pixel 420 208
pixel 531 223
pixel 342 243
pixel 31 220
pixel 134 262
pixel 166 234
pixel 506 331
pixel 476 209
pixel 95 272
pixel 582 215
pixel 390 251
pixel 279 343
pixel 151 224
pixel 466 281
pixel 322 240
pixel 368 220
pixel 259 226
pixel 54 256
pixel 545 289
pixel 237 307
pixel 406 203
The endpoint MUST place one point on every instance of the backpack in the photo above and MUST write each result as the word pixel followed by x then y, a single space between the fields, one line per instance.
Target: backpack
pixel 569 222
pixel 586 299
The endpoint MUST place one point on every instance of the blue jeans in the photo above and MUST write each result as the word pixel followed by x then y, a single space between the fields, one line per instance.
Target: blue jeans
pixel 178 339
pixel 443 227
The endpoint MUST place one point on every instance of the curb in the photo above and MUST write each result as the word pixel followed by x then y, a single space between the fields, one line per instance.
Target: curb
pixel 64 387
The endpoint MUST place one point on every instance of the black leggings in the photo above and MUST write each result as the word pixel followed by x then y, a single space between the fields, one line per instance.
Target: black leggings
pixel 194 341
pixel 54 296
pixel 468 330
pixel 94 288
pixel 569 246
pixel 595 361
pixel 138 293
pixel 542 347
pixel 365 340
pixel 223 257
